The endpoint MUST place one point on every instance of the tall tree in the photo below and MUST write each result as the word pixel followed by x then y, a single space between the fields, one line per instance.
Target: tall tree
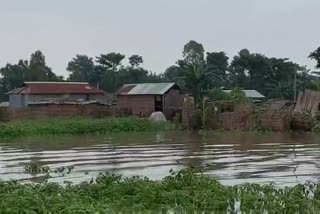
pixel 316 56
pixel 219 60
pixel 13 76
pixel 111 63
pixel 194 77
pixel 135 60
pixel 132 75
pixel 82 68
pixel 218 65
pixel 251 70
pixel 38 69
pixel 110 60
pixel 193 52
pixel 171 74
pixel 239 67
pixel 273 77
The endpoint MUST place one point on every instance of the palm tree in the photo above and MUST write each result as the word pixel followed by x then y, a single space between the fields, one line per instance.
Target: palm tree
pixel 195 79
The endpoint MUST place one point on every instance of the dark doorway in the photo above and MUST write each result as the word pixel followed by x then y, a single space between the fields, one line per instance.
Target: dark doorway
pixel 158 103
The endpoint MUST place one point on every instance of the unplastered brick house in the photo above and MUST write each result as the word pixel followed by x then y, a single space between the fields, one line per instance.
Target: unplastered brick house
pixel 146 98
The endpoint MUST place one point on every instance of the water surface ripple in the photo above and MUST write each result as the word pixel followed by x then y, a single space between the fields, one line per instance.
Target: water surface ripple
pixel 232 158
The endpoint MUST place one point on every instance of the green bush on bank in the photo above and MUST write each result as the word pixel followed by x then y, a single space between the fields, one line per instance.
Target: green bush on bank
pixel 76 126
pixel 182 192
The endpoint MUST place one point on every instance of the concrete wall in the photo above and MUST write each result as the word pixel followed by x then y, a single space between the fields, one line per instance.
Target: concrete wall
pixel 137 104
pixel 16 101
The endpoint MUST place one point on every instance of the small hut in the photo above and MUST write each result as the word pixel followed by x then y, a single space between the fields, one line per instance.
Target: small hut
pixel 145 98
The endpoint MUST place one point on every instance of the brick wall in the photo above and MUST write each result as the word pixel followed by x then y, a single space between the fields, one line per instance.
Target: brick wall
pixel 61 110
pixel 272 120
pixel 240 118
pixel 173 101
pixel 137 104
pixel 188 110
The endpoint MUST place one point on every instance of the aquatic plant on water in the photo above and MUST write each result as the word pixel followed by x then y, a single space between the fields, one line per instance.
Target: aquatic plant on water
pixel 76 126
pixel 187 191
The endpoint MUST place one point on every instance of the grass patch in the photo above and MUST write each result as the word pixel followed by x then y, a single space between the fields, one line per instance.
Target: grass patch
pixel 184 192
pixel 77 126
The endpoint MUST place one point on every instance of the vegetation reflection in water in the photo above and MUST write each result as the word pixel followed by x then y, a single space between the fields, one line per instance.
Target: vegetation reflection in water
pixel 185 191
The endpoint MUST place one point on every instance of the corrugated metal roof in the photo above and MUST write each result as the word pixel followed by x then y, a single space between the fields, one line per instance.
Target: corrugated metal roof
pixel 249 93
pixel 145 89
pixel 56 88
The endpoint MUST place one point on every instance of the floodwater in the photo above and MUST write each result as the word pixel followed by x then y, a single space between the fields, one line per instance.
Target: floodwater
pixel 232 158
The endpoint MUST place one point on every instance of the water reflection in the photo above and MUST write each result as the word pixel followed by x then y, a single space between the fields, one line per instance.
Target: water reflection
pixel 232 158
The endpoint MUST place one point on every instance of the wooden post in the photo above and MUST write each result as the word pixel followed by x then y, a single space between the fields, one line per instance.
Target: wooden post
pixel 203 113
pixel 295 86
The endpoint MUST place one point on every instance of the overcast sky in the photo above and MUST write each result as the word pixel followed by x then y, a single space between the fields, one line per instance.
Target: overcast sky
pixel 156 29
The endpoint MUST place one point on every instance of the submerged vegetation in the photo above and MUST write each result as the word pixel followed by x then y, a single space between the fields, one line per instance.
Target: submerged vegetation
pixel 77 126
pixel 186 191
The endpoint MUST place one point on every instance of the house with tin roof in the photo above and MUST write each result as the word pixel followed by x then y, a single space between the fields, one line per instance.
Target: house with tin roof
pixel 145 98
pixel 36 92
pixel 252 94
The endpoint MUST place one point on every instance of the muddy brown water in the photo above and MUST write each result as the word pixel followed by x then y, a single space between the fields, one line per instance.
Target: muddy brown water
pixel 232 158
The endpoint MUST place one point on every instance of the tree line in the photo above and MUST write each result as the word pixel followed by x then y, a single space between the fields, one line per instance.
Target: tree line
pixel 196 72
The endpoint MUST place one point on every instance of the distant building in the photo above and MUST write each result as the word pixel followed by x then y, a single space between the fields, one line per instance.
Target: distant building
pixel 146 98
pixel 35 92
pixel 252 94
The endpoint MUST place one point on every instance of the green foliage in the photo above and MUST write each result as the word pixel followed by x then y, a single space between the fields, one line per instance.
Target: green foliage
pixel 36 69
pixel 218 94
pixel 218 65
pixel 186 191
pixel 172 73
pixel 135 60
pixel 193 52
pixel 133 75
pixel 273 77
pixel 315 55
pixel 110 60
pixel 109 74
pixel 194 78
pixel 82 68
pixel 236 95
pixel 76 126
pixel 313 85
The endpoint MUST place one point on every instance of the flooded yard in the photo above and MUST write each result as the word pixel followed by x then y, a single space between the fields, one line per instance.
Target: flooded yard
pixel 232 158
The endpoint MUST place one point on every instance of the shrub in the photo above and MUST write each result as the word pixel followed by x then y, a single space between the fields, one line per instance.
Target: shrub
pixel 313 85
pixel 236 95
pixel 186 191
pixel 218 94
pixel 77 126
